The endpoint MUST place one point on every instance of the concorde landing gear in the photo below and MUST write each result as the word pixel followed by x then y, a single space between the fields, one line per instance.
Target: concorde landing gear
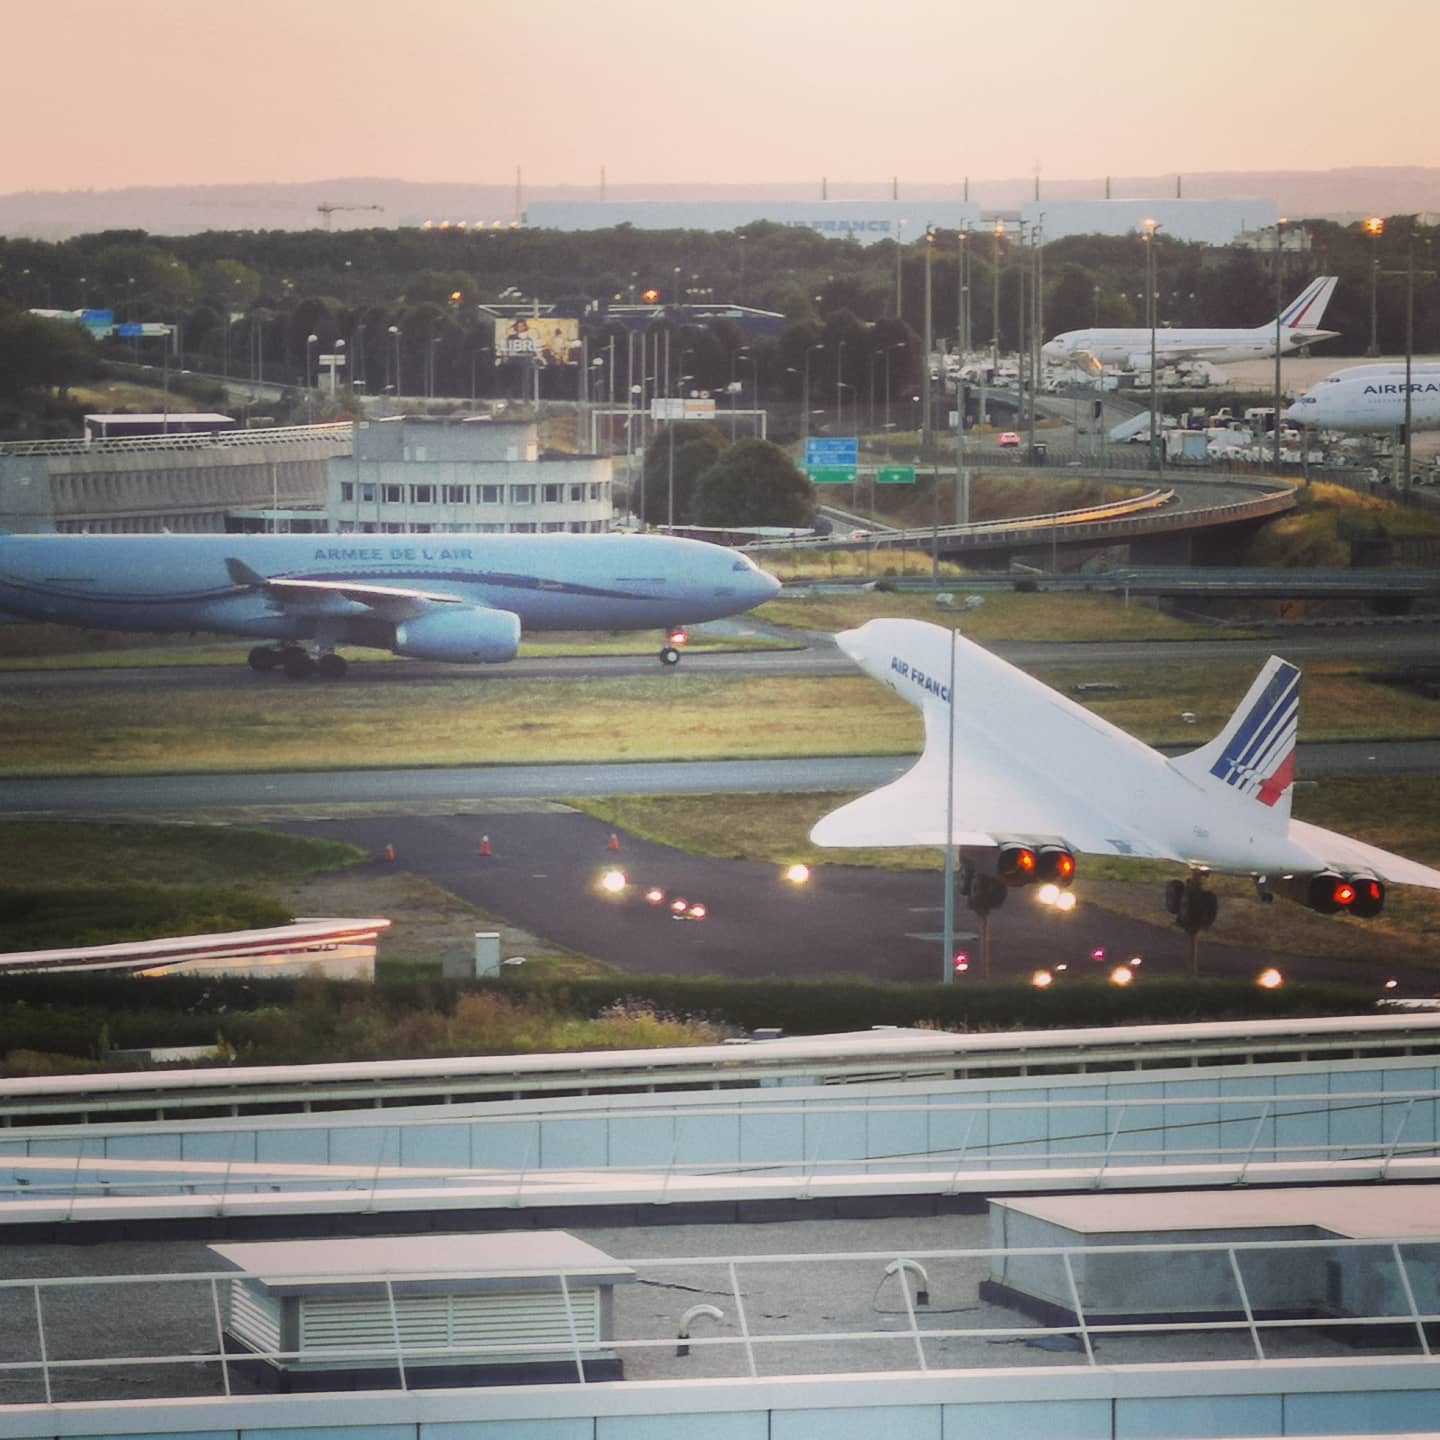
pixel 670 651
pixel 297 663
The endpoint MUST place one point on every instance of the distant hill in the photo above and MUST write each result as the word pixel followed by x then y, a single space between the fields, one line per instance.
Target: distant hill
pixel 1345 194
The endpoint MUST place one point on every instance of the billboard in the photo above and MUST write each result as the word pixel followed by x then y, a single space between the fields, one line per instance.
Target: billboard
pixel 543 339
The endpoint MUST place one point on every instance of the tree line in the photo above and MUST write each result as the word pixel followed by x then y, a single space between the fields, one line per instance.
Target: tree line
pixel 404 301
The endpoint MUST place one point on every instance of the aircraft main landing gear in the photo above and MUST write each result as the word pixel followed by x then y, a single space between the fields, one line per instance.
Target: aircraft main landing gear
pixel 297 662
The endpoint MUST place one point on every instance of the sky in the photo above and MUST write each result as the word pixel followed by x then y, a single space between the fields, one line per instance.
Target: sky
pixel 103 95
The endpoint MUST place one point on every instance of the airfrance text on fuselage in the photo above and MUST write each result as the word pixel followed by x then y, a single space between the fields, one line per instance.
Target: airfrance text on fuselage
pixel 1428 387
pixel 907 671
pixel 398 552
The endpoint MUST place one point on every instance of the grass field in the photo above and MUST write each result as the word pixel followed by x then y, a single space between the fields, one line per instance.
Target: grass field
pixel 672 715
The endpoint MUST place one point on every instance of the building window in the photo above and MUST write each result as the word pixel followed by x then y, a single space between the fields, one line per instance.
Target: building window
pixel 577 492
pixel 492 494
pixel 347 491
pixel 552 494
pixel 392 527
pixel 457 494
pixel 522 529
pixel 420 529
pixel 367 494
pixel 553 527
pixel 346 527
pixel 392 494
pixel 597 490
pixel 597 527
pixel 522 494
pixel 422 494
pixel 578 527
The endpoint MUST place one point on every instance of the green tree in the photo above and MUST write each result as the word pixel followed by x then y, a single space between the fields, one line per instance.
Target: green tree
pixel 36 353
pixel 696 447
pixel 754 483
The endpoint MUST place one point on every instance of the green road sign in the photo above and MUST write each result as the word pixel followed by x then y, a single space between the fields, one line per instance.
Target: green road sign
pixel 895 475
pixel 832 475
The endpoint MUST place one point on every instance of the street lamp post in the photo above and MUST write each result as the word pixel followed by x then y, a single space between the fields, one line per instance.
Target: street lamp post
pixel 1279 301
pixel 310 343
pixel 840 388
pixel 805 391
pixel 670 507
pixel 335 360
pixel 1374 228
pixel 395 332
pixel 1150 227
pixel 926 423
pixel 889 349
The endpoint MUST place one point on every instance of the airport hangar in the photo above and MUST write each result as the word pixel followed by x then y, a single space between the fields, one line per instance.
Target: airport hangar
pixel 1211 222
pixel 1225 1229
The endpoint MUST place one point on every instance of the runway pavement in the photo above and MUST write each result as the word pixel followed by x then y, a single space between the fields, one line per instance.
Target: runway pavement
pixel 543 874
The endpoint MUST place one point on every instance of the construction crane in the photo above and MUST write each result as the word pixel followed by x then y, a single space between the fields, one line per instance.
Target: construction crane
pixel 328 208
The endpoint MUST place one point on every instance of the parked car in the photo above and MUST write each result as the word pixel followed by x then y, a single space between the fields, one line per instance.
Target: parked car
pixel 1008 440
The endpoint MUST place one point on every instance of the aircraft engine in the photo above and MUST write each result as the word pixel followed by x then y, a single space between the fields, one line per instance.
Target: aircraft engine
pixel 460 634
pixel 1019 862
pixel 1330 893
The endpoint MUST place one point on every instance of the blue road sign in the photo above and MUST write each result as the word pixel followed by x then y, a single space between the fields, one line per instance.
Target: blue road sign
pixel 832 450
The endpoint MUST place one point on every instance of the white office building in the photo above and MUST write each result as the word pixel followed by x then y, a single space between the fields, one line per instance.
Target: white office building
pixel 420 475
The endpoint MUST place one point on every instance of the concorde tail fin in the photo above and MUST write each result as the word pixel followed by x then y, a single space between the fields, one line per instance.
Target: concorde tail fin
pixel 1253 757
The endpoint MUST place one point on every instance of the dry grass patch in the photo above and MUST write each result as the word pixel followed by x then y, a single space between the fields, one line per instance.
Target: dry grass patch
pixel 1005 615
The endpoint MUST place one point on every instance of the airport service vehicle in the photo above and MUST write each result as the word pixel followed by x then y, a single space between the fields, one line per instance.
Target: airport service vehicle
pixel 462 598
pixel 1298 326
pixel 1038 780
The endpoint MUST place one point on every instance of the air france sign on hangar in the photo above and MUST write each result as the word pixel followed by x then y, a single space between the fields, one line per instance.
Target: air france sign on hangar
pixel 866 221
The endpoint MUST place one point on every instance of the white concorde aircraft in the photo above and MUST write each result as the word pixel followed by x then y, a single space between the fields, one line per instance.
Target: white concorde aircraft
pixel 1038 779
pixel 1370 402
pixel 453 597
pixel 1130 348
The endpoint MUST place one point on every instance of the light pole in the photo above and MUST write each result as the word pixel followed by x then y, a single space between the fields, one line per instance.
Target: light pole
pixel 1374 228
pixel 395 332
pixel 335 360
pixel 899 250
pixel 670 508
pixel 805 391
pixel 311 341
pixel 925 401
pixel 1279 301
pixel 840 388
pixel 1150 227
pixel 996 236
pixel 357 360
pixel 898 345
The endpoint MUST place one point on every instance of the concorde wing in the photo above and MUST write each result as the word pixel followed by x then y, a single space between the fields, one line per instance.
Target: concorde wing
pixel 1026 760
pixel 318 597
pixel 1347 855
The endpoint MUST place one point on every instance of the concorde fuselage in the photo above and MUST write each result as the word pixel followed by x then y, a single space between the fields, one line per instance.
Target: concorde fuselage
pixel 553 582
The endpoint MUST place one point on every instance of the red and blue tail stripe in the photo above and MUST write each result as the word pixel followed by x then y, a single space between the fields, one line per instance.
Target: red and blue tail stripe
pixel 1258 755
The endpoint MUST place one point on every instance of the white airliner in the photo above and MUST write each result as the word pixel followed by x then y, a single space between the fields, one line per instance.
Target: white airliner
pixel 1039 779
pixel 451 597
pixel 1130 348
pixel 1373 401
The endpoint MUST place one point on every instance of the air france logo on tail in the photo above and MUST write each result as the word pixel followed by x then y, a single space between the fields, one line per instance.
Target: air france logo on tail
pixel 1259 759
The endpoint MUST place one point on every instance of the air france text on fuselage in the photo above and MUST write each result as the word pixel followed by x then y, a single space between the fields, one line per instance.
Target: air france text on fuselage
pixel 1417 387
pixel 916 676
pixel 395 552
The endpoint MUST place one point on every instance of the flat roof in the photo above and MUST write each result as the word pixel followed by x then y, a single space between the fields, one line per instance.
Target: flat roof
pixel 298 1266
pixel 1355 1212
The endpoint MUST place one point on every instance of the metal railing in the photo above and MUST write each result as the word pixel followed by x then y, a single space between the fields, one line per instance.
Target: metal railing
pixel 333 432
pixel 1269 1302
pixel 502 1159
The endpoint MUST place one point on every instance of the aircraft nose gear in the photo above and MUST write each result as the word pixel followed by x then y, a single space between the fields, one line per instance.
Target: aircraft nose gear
pixel 670 651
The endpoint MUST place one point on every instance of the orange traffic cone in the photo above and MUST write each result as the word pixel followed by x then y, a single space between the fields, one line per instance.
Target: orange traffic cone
pixel 389 852
pixel 484 844
pixel 614 841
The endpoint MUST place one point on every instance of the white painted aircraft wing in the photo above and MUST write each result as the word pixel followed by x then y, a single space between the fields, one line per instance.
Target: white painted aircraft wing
pixel 390 602
pixel 1345 854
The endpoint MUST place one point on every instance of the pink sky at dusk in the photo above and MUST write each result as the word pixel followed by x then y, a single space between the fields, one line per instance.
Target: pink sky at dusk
pixel 165 92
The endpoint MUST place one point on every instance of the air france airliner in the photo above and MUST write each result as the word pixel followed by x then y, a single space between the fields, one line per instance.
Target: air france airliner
pixel 1038 779
pixel 1372 401
pixel 1298 326
pixel 449 597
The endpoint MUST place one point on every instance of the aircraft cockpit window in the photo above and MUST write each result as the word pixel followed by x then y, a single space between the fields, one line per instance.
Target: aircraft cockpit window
pixel 743 563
